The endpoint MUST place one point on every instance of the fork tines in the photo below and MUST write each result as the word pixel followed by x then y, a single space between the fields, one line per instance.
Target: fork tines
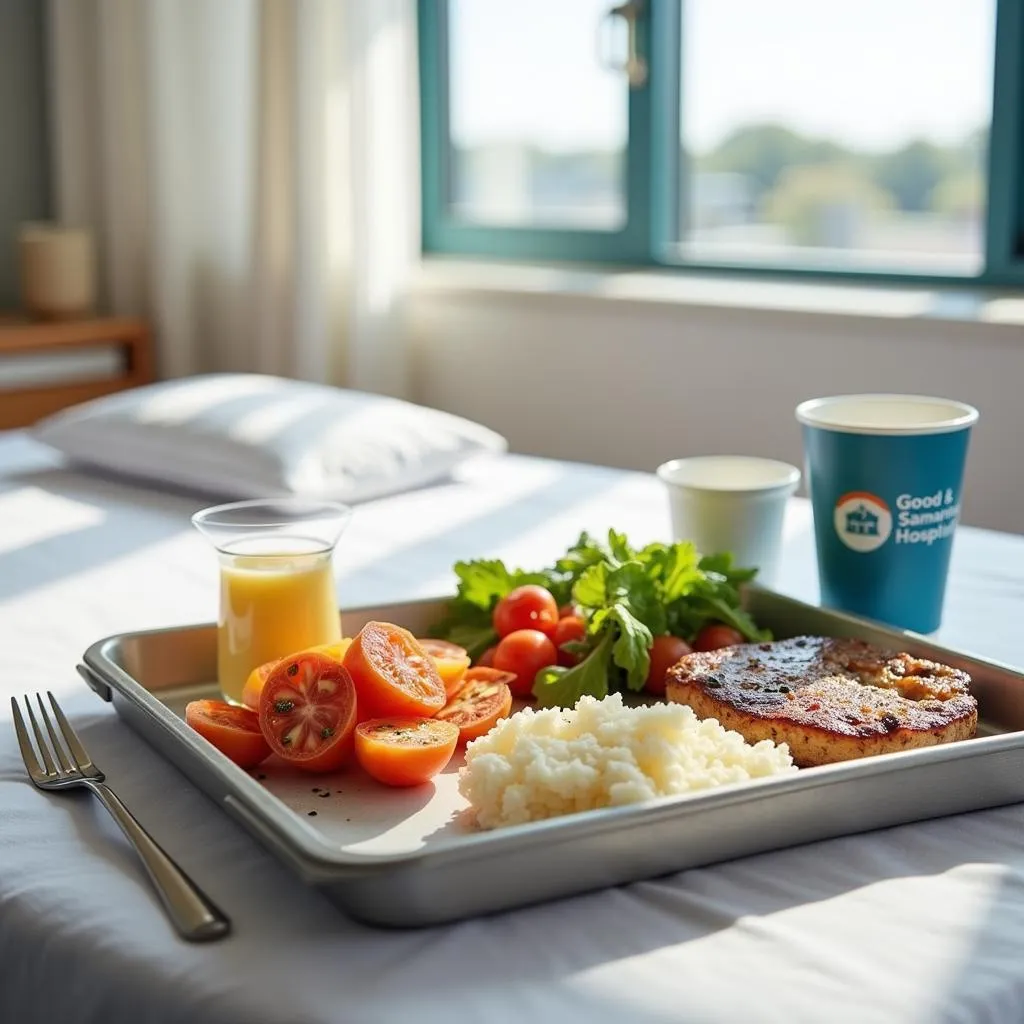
pixel 65 758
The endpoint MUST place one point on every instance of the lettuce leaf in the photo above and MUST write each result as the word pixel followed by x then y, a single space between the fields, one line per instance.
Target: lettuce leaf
pixel 626 596
pixel 558 687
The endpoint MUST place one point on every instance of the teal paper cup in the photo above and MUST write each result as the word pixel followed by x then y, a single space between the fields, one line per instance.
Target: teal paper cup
pixel 885 473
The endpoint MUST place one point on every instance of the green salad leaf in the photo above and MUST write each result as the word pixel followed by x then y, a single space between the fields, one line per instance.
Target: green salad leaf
pixel 626 597
pixel 558 687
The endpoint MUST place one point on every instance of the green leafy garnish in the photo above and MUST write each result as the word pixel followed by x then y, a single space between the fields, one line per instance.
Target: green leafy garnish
pixel 626 597
pixel 558 687
pixel 482 584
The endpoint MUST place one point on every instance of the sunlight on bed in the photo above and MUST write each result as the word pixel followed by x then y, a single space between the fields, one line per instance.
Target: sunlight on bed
pixel 31 515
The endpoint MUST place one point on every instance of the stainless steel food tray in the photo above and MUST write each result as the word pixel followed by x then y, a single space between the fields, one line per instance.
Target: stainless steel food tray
pixel 405 858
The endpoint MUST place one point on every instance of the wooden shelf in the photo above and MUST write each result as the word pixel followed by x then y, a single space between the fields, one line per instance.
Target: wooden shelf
pixel 23 406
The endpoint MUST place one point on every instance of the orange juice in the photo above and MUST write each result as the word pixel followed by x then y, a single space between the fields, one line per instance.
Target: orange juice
pixel 273 603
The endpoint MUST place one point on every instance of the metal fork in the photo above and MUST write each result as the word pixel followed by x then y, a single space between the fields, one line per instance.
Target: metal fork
pixel 64 767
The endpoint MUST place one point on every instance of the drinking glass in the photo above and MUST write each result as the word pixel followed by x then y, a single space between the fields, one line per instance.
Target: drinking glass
pixel 277 592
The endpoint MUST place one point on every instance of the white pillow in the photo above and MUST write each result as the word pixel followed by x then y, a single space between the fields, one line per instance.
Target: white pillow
pixel 249 436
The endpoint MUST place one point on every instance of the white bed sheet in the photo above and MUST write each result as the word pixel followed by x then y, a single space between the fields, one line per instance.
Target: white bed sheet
pixel 921 923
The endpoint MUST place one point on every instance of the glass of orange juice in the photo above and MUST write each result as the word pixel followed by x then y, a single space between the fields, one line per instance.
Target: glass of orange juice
pixel 277 592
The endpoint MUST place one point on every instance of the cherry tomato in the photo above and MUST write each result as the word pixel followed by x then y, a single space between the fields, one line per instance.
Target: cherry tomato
pixel 393 674
pixel 451 662
pixel 234 731
pixel 529 607
pixel 486 660
pixel 567 611
pixel 569 628
pixel 258 676
pixel 405 751
pixel 308 711
pixel 665 652
pixel 525 652
pixel 481 701
pixel 715 635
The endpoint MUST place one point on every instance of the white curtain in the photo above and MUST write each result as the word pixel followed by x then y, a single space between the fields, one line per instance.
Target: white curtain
pixel 250 171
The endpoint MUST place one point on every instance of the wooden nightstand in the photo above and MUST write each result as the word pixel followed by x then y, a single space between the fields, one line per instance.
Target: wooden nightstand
pixel 22 406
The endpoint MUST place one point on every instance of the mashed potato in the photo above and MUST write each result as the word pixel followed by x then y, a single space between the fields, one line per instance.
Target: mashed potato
pixel 540 764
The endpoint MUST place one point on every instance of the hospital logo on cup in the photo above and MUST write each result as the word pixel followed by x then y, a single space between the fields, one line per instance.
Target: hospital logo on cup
pixel 862 520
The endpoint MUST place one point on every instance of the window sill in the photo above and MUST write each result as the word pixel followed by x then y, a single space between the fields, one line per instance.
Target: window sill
pixel 440 275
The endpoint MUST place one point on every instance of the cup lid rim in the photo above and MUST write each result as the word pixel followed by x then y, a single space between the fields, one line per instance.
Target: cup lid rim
pixel 789 475
pixel 962 414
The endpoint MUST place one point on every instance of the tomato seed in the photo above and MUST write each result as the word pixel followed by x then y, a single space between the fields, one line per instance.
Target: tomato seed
pixel 293 669
pixel 282 707
pixel 326 733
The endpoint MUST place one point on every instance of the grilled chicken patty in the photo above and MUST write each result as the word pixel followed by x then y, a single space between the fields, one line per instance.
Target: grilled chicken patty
pixel 829 699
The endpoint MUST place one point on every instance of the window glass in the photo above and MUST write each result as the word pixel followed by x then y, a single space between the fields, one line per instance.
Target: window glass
pixel 849 134
pixel 538 125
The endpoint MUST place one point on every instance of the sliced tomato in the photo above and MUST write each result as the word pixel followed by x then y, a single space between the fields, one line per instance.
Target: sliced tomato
pixel 483 699
pixel 308 711
pixel 451 661
pixel 405 751
pixel 393 674
pixel 234 731
pixel 255 683
pixel 258 676
pixel 336 650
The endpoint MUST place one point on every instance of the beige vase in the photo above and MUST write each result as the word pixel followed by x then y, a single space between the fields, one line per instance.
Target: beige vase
pixel 58 271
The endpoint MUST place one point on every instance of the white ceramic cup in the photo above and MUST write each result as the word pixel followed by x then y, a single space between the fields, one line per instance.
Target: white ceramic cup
pixel 731 503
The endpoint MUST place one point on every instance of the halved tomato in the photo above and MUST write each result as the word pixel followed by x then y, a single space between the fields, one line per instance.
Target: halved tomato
pixel 258 676
pixel 234 731
pixel 254 685
pixel 308 711
pixel 393 674
pixel 405 751
pixel 451 661
pixel 479 703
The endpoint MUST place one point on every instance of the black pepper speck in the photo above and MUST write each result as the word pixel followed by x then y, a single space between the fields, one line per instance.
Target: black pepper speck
pixel 312 814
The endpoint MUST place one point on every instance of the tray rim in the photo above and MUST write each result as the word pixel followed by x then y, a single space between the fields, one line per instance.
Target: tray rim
pixel 317 858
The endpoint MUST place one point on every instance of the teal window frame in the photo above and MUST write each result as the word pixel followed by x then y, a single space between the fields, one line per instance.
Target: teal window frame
pixel 652 169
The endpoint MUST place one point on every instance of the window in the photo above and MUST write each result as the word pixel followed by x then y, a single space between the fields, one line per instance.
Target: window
pixel 513 161
pixel 859 137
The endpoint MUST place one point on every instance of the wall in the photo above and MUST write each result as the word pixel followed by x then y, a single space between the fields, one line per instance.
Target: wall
pixel 632 383
pixel 24 178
